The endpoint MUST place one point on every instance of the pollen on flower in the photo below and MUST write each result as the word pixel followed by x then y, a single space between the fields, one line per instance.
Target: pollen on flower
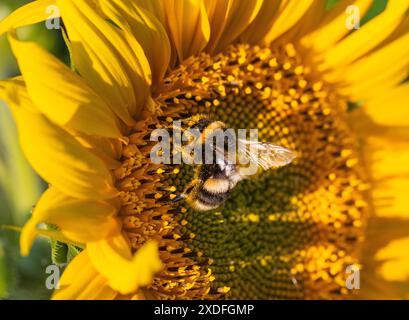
pixel 286 233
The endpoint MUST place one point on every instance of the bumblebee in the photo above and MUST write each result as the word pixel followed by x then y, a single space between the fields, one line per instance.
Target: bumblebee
pixel 214 181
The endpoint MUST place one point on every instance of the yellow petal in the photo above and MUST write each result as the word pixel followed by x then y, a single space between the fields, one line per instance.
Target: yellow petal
pixel 290 13
pixel 228 19
pixel 308 23
pixel 109 150
pixel 385 152
pixel 27 237
pixel 14 92
pixel 48 81
pixel 385 66
pixel 31 230
pixel 383 267
pixel 187 25
pixel 156 7
pixel 79 220
pixel 60 159
pixel 389 170
pixel 262 23
pixel 390 194
pixel 366 38
pixel 395 260
pixel 390 108
pixel 372 88
pixel 111 60
pixel 30 13
pixel 149 32
pixel 113 254
pixel 332 28
pixel 401 30
pixel 81 281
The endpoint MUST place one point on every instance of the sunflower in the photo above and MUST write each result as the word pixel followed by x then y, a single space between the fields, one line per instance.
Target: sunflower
pixel 291 69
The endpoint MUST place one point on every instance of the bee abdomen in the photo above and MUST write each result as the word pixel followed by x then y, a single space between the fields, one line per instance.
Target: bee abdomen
pixel 212 200
pixel 216 186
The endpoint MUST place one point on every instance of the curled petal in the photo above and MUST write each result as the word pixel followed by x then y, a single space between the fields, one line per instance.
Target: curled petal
pixel 113 254
pixel 30 13
pixel 81 281
pixel 79 220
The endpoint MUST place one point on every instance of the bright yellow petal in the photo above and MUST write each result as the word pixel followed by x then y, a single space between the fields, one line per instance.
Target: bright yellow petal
pixel 113 254
pixel 110 59
pixel 79 220
pixel 290 13
pixel 390 194
pixel 383 272
pixel 30 13
pixel 149 32
pixel 385 152
pixel 27 237
pixel 369 75
pixel 401 30
pixel 80 110
pixel 390 174
pixel 30 232
pixel 81 281
pixel 262 24
pixel 395 260
pixel 156 7
pixel 308 22
pixel 14 92
pixel 372 88
pixel 228 19
pixel 60 159
pixel 332 28
pixel 366 38
pixel 188 26
pixel 109 150
pixel 391 108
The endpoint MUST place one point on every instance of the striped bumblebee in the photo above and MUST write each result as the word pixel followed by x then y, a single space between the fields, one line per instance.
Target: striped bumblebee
pixel 214 181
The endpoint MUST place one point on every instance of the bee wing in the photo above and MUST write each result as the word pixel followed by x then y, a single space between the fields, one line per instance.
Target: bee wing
pixel 265 155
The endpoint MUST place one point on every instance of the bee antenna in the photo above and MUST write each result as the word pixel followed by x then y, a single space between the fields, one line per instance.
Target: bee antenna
pixel 179 198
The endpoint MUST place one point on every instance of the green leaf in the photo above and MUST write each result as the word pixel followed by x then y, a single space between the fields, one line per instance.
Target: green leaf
pixel 59 252
pixel 4 274
pixel 377 7
pixel 69 48
pixel 62 252
pixel 73 251
pixel 20 187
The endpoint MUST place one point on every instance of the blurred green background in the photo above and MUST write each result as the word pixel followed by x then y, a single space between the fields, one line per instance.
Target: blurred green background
pixel 20 187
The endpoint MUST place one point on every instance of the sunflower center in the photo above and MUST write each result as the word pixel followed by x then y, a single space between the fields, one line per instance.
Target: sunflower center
pixel 287 233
